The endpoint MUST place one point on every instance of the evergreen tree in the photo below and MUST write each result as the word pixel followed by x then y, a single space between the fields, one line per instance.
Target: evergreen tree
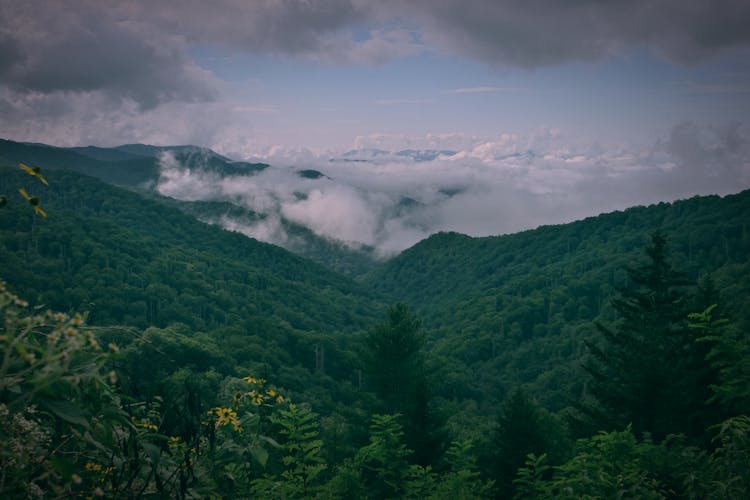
pixel 522 428
pixel 395 367
pixel 649 370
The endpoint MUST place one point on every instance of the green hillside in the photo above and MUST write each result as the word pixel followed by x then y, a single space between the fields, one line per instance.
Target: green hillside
pixel 516 310
pixel 150 260
pixel 299 239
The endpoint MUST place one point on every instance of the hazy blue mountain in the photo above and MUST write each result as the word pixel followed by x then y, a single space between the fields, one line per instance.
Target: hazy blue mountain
pixel 382 155
pixel 425 154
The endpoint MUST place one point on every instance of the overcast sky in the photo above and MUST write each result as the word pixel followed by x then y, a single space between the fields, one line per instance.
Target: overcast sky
pixel 585 90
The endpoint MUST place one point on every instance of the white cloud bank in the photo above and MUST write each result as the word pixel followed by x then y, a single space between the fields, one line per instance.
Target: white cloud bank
pixel 493 186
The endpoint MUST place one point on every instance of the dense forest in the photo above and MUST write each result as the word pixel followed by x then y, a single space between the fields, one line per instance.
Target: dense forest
pixel 149 354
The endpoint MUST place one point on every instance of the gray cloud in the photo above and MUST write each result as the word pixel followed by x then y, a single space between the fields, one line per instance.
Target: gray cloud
pixel 531 33
pixel 83 47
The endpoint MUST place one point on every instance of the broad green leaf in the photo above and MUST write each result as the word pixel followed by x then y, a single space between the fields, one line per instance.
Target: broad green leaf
pixel 260 455
pixel 67 411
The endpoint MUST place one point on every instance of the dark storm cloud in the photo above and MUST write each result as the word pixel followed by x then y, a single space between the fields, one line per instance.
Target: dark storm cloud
pixel 138 50
pixel 531 33
pixel 84 47
pixel 267 26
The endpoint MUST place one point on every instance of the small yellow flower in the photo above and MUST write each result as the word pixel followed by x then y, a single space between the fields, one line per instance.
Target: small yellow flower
pixel 226 416
pixel 98 492
pixel 250 380
pixel 279 398
pixel 112 377
pixel 147 425
pixel 113 347
pixel 76 479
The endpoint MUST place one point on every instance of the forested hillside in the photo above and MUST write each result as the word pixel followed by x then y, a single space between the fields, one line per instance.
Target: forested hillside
pixel 517 309
pixel 142 263
pixel 607 357
pixel 301 240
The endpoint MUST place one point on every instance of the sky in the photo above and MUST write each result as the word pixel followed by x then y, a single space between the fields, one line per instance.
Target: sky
pixel 551 110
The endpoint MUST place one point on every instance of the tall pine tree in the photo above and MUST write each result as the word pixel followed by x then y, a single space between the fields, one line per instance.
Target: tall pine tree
pixel 395 366
pixel 648 370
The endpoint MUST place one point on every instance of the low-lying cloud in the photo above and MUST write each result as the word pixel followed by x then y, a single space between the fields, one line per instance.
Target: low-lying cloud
pixel 498 185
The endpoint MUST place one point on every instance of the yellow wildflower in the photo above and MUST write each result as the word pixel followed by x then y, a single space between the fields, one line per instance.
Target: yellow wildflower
pixel 147 425
pixel 92 467
pixel 226 416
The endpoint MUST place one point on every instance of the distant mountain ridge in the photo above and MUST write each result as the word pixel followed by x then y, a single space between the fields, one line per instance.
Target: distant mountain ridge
pixel 127 165
pixel 375 155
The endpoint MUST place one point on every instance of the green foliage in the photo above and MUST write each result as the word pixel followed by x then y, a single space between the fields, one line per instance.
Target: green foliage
pixel 393 357
pixel 462 480
pixel 64 429
pixel 383 460
pixel 131 261
pixel 522 428
pixel 730 355
pixel 727 473
pixel 608 465
pixel 649 371
pixel 302 461
pixel 394 363
pixel 516 310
